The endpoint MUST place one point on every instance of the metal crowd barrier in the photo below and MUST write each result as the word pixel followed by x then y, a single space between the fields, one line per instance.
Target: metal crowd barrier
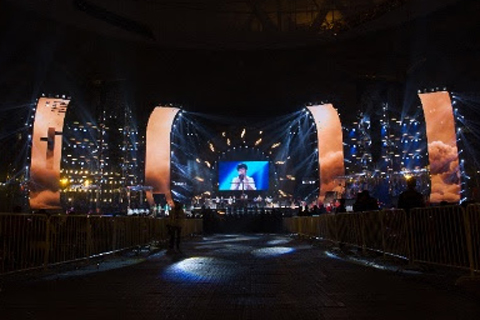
pixel 30 241
pixel 441 235
pixel 192 227
pixel 395 233
pixel 438 236
pixel 23 243
pixel 472 232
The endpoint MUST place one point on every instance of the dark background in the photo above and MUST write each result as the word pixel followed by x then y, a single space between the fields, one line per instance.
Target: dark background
pixel 40 53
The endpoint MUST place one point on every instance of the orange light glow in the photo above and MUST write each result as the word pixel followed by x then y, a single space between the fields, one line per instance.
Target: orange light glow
pixel 330 147
pixel 46 153
pixel 442 147
pixel 157 159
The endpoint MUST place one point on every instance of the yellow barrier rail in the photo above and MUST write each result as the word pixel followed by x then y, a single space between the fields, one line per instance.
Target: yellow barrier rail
pixel 441 235
pixel 33 241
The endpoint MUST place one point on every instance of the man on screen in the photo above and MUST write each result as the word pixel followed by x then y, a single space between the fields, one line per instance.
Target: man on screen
pixel 242 182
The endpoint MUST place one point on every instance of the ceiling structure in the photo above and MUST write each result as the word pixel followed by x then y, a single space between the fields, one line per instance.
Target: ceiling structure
pixel 242 57
pixel 233 24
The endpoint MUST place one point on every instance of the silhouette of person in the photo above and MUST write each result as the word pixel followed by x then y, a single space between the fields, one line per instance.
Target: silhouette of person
pixel 365 202
pixel 341 207
pixel 411 198
pixel 175 223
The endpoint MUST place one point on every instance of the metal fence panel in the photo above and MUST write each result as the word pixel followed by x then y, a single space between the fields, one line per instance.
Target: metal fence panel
pixel 442 235
pixel 395 228
pixel 473 230
pixel 23 241
pixel 438 236
pixel 32 241
pixel 349 228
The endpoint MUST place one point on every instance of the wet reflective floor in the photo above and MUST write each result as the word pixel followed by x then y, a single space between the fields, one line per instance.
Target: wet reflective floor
pixel 234 276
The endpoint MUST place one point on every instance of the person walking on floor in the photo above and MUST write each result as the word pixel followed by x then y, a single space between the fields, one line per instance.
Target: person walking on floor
pixel 176 220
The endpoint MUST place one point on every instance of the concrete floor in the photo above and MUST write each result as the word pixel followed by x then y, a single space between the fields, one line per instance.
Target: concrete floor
pixel 238 276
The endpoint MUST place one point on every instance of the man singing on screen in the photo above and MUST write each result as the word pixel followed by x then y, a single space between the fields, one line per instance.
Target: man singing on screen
pixel 242 181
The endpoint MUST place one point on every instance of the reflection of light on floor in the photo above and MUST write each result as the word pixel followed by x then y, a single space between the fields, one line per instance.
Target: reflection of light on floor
pixel 304 247
pixel 271 252
pixel 372 264
pixel 331 255
pixel 278 242
pixel 229 239
pixel 200 269
pixel 208 246
pixel 233 249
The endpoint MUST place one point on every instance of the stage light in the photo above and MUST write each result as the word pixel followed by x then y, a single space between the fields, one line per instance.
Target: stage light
pixel 243 133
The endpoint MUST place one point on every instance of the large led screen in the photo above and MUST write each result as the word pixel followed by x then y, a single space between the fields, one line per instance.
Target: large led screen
pixel 330 148
pixel 157 159
pixel 442 147
pixel 243 175
pixel 46 153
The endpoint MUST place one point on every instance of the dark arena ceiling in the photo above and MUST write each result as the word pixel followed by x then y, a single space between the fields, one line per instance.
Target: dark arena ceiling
pixel 242 57
pixel 233 24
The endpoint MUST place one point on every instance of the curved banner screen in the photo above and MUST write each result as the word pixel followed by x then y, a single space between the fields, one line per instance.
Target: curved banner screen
pixel 157 157
pixel 46 153
pixel 442 147
pixel 330 147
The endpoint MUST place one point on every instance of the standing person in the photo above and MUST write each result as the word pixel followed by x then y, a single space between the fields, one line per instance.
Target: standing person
pixel 242 182
pixel 371 203
pixel 175 223
pixel 411 198
pixel 341 207
pixel 365 202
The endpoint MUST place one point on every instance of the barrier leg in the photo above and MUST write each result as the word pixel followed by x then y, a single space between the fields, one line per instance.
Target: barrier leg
pixel 468 235
pixel 88 241
pixel 335 231
pixel 47 244
pixel 382 230
pixel 362 232
pixel 114 235
pixel 410 238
